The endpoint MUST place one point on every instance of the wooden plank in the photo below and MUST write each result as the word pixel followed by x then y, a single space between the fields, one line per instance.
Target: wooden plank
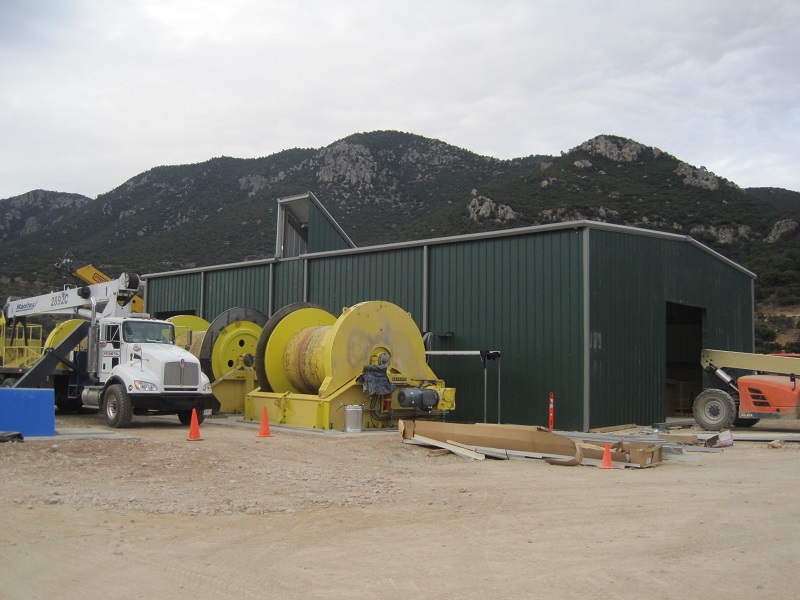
pixel 679 438
pixel 504 454
pixel 453 448
pixel 490 452
pixel 613 428
pixel 766 436
pixel 525 454
pixel 415 442
pixel 596 462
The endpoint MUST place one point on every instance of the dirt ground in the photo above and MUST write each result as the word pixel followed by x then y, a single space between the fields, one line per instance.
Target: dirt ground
pixel 144 513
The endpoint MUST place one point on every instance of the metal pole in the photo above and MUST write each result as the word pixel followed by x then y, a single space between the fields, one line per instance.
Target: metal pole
pixel 498 391
pixel 484 393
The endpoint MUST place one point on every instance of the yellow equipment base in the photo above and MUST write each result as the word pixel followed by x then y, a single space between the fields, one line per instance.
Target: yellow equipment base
pixel 307 410
pixel 231 389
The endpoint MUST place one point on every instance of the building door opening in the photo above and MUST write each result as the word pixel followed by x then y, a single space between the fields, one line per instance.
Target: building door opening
pixel 685 338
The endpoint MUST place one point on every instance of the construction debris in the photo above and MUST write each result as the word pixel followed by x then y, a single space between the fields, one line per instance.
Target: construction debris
pixel 723 439
pixel 631 446
pixel 508 442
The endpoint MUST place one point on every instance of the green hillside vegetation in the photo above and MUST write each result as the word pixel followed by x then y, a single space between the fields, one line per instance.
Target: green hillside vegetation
pixel 389 186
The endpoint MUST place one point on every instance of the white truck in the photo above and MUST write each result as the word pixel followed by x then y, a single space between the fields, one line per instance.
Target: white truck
pixel 131 365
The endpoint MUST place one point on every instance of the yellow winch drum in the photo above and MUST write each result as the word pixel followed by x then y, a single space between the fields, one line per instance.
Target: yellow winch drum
pixel 291 349
pixel 313 367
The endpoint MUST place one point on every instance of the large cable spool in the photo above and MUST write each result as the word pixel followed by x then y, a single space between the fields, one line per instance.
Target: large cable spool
pixel 232 335
pixel 59 333
pixel 187 330
pixel 304 349
pixel 274 338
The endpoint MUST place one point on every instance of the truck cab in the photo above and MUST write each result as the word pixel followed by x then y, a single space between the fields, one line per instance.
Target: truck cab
pixel 141 371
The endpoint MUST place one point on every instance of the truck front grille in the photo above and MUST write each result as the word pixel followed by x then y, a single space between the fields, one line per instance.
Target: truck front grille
pixel 182 374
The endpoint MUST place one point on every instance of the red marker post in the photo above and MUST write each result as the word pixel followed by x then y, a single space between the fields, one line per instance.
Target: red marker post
pixel 550 422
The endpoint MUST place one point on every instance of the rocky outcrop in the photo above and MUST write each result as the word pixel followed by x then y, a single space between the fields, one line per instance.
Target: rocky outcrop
pixel 701 178
pixel 29 213
pixel 780 229
pixel 617 149
pixel 724 235
pixel 481 209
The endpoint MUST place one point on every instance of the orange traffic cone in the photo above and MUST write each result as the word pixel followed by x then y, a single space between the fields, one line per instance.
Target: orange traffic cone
pixel 194 428
pixel 606 464
pixel 264 430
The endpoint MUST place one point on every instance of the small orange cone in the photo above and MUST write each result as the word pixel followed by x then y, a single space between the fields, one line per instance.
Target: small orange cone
pixel 194 428
pixel 606 464
pixel 264 430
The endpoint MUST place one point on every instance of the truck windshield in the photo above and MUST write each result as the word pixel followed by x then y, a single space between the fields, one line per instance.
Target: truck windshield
pixel 148 332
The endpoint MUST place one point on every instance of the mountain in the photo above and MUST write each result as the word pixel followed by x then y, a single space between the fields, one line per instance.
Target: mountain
pixel 35 211
pixel 387 186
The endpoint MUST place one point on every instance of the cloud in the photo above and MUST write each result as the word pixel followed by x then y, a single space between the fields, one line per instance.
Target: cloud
pixel 97 92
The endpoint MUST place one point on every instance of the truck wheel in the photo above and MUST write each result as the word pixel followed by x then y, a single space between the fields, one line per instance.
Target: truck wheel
pixel 185 417
pixel 739 422
pixel 117 406
pixel 714 410
pixel 8 383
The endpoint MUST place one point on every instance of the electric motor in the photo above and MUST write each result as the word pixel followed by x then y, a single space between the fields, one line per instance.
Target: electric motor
pixel 418 398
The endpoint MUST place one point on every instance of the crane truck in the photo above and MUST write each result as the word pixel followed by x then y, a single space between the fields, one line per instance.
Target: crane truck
pixel 131 365
pixel 769 390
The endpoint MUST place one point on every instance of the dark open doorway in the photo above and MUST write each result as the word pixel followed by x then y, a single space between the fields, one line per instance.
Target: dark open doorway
pixel 685 338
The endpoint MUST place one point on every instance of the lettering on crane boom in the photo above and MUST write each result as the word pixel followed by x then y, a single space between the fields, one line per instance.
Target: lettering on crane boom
pixel 60 300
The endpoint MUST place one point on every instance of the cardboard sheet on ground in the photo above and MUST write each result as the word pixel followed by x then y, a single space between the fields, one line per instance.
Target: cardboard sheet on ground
pixel 633 454
pixel 558 449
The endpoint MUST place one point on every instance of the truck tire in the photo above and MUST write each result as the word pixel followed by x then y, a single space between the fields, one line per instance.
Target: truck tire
pixel 185 417
pixel 714 410
pixel 117 407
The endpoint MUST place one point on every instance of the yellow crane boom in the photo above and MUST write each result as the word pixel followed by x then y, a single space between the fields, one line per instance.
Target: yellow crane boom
pixel 88 273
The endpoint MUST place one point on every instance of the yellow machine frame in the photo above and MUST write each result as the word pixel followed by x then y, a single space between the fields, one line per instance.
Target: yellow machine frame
pixel 313 364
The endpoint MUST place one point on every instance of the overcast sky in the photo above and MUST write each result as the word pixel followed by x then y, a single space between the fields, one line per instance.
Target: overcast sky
pixel 93 92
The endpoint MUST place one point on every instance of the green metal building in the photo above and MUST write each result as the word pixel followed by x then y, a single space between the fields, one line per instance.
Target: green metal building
pixel 610 319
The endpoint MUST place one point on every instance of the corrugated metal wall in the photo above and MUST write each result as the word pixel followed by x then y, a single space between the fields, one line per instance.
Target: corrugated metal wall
pixel 520 295
pixel 246 287
pixel 525 293
pixel 395 276
pixel 176 293
pixel 632 277
pixel 696 278
pixel 288 283
pixel 322 235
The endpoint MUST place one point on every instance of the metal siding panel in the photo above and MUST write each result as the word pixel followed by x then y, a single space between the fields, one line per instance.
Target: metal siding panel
pixel 693 277
pixel 322 236
pixel 171 294
pixel 391 275
pixel 288 283
pixel 628 330
pixel 520 295
pixel 240 287
pixel 632 279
